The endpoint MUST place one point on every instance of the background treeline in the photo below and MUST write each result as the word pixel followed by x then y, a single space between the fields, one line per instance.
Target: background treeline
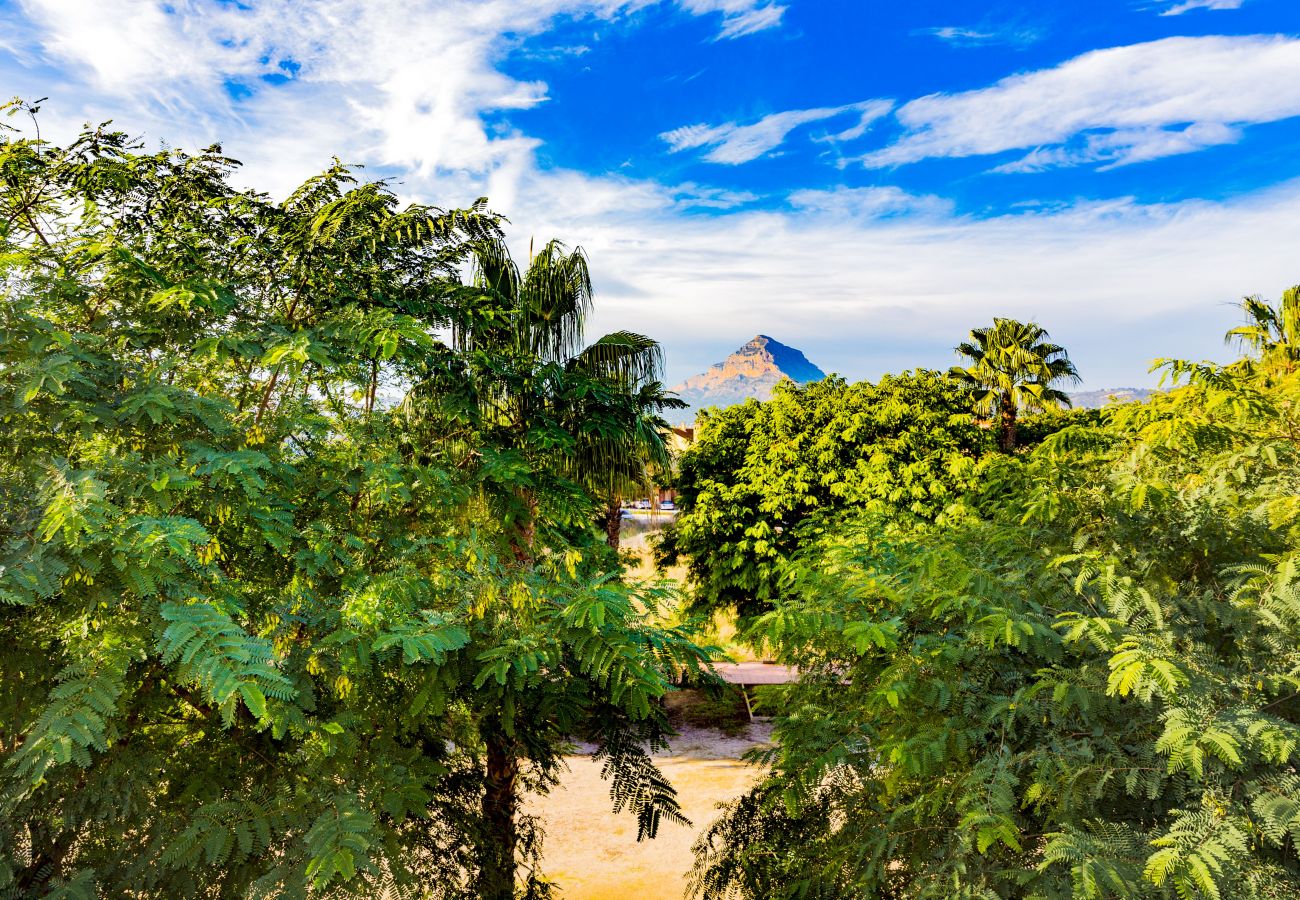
pixel 1070 669
pixel 265 633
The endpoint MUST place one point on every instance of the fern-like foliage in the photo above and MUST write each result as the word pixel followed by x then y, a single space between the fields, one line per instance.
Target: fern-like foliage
pixel 1081 681
pixel 267 632
pixel 224 661
pixel 73 724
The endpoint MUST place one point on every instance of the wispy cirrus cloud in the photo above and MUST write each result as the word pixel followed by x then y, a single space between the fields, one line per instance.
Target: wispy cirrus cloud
pixel 869 203
pixel 732 143
pixel 739 17
pixel 985 35
pixel 1110 107
pixel 1178 7
pixel 697 196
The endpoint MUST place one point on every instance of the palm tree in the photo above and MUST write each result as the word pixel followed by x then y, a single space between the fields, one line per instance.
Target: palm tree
pixel 1013 368
pixel 626 455
pixel 545 383
pixel 1272 332
pixel 569 414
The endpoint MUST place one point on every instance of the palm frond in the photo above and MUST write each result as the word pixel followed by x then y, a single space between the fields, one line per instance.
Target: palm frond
pixel 621 355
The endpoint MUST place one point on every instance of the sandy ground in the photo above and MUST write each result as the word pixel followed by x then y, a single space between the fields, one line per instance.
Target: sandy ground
pixel 593 854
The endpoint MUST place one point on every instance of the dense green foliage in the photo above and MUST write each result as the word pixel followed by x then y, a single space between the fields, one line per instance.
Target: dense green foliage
pixel 267 634
pixel 1083 680
pixel 305 575
pixel 764 479
pixel 1033 429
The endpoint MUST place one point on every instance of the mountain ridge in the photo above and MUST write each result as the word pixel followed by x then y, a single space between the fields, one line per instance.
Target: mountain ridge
pixel 758 365
pixel 1103 397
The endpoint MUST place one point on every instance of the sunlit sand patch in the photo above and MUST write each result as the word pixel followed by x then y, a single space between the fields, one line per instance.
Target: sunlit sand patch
pixel 593 854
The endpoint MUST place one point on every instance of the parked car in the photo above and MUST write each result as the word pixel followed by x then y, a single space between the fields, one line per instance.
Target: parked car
pixel 641 504
pixel 668 505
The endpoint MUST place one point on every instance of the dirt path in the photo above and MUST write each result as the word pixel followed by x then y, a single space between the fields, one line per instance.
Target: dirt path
pixel 593 854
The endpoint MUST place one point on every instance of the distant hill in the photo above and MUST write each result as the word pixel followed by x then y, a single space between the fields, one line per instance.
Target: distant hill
pixel 1097 399
pixel 750 372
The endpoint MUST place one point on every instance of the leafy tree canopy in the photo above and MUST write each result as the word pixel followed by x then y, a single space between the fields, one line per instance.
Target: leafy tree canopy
pixel 263 629
pixel 1083 682
pixel 765 478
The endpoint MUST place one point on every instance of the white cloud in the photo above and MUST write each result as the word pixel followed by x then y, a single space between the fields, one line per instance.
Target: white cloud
pixel 739 17
pixel 954 34
pixel 364 63
pixel 871 110
pixel 1188 5
pixel 1118 106
pixel 733 144
pixel 865 292
pixel 691 195
pixel 869 203
pixel 126 45
pixel 416 78
pixel 1121 147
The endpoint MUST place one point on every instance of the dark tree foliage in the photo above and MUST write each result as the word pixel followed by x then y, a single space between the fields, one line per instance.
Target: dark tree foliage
pixel 266 631
pixel 764 480
pixel 1032 430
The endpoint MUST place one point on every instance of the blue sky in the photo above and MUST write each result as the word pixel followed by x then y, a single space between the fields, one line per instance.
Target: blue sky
pixel 828 55
pixel 865 180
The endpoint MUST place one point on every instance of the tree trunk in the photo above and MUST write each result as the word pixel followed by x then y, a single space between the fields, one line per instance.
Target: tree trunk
pixel 496 875
pixel 374 383
pixel 496 852
pixel 1007 430
pixel 526 530
pixel 500 841
pixel 47 862
pixel 266 396
pixel 613 522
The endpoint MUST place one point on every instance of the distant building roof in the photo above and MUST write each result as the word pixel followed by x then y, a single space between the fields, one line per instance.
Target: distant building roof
pixel 751 674
pixel 680 439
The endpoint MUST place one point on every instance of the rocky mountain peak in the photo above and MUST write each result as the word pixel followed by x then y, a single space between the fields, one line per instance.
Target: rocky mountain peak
pixel 751 372
pixel 765 353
